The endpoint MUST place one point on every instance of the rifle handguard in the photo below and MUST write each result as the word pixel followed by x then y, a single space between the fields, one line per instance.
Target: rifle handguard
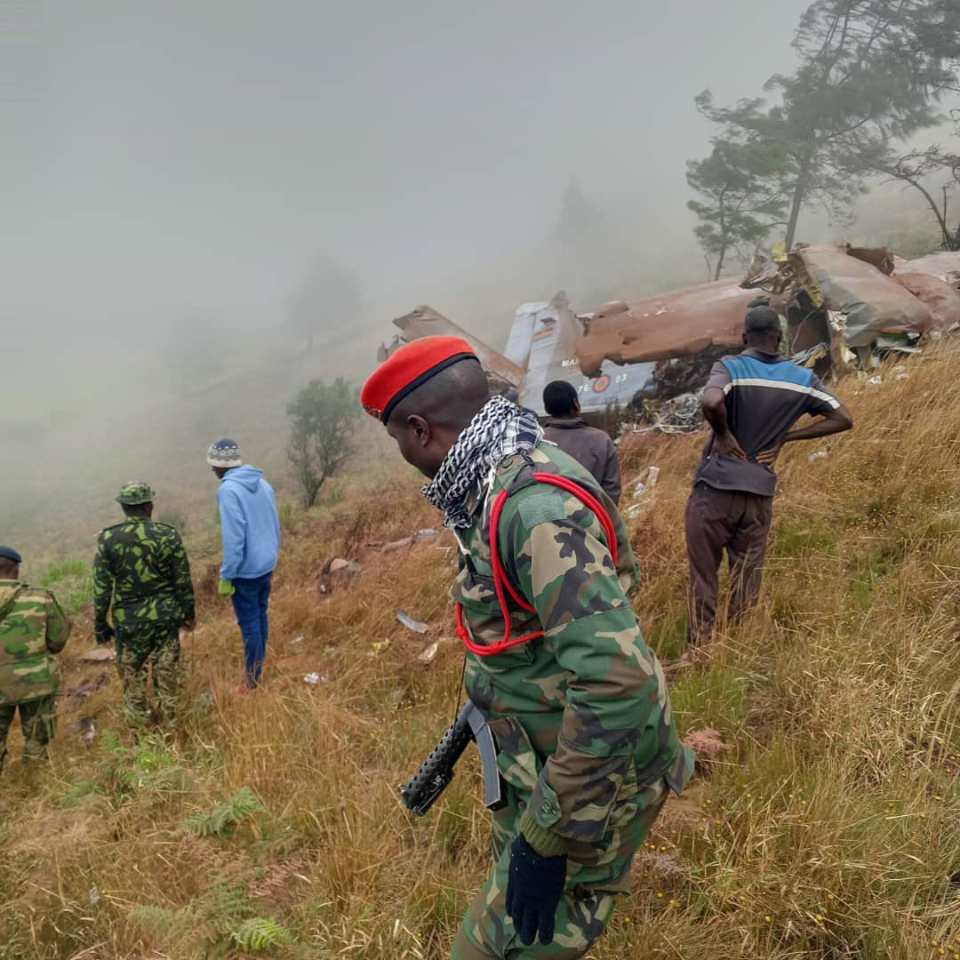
pixel 425 786
pixel 421 791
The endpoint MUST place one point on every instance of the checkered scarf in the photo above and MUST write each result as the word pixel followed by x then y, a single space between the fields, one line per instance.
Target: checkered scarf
pixel 499 430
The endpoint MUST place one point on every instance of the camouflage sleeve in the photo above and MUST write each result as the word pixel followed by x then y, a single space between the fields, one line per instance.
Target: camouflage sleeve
pixel 102 586
pixel 184 584
pixel 612 684
pixel 58 626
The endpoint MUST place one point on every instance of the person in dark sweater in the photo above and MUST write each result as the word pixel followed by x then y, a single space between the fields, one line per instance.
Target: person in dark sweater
pixel 590 447
pixel 751 402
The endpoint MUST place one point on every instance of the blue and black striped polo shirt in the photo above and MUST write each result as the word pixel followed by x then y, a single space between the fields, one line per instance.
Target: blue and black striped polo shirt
pixel 765 396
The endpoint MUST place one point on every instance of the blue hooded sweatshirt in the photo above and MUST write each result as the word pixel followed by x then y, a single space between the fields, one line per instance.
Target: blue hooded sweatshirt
pixel 249 523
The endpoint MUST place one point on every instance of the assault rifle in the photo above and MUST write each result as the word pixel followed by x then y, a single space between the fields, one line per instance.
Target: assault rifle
pixel 425 786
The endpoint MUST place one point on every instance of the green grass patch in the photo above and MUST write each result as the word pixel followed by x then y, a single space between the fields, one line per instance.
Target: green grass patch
pixel 715 697
pixel 668 635
pixel 804 536
pixel 71 582
pixel 78 793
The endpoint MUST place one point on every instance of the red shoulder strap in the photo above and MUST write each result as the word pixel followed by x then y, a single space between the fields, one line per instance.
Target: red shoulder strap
pixel 501 582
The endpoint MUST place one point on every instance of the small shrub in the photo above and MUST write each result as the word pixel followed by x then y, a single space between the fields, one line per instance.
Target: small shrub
pixel 322 433
pixel 289 516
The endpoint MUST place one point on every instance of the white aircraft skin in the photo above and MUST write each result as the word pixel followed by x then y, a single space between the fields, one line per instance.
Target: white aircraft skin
pixel 540 349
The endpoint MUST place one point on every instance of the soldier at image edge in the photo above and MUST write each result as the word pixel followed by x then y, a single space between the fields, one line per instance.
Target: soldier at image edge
pixel 33 630
pixel 141 576
pixel 587 744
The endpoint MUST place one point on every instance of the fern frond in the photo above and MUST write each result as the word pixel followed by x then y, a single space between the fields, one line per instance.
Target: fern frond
pixel 261 933
pixel 219 821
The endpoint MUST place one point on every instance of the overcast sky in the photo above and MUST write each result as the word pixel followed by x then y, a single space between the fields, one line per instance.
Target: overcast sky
pixel 174 155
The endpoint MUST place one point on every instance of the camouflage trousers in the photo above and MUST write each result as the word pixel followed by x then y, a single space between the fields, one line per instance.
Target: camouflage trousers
pixel 596 873
pixel 37 721
pixel 155 651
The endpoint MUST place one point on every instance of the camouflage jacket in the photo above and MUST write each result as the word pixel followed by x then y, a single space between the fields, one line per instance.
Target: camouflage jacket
pixel 141 569
pixel 32 629
pixel 582 716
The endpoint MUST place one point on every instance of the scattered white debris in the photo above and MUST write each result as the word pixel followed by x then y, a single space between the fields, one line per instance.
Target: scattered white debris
pixel 297 639
pixel 429 653
pixel 875 381
pixel 646 481
pixel 93 896
pixel 639 491
pixel 819 455
pixel 315 678
pixel 88 731
pixel 417 626
pixel 427 533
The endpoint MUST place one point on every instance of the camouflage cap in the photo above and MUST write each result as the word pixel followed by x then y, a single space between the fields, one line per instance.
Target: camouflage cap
pixel 134 493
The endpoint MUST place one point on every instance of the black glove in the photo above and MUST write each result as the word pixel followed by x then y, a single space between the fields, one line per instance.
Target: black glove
pixel 105 634
pixel 534 890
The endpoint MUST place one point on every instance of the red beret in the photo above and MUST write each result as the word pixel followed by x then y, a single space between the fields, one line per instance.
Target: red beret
pixel 412 365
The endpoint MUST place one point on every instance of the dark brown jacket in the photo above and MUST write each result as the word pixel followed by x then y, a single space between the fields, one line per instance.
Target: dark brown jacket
pixel 589 446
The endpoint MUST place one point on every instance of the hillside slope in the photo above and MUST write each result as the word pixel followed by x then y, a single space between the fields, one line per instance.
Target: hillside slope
pixel 829 828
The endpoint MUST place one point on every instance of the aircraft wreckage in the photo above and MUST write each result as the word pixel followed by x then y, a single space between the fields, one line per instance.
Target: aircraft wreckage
pixel 842 307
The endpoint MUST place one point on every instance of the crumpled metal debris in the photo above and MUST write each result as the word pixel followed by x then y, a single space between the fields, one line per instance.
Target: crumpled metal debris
pixel 942 299
pixel 675 324
pixel 945 266
pixel 812 355
pixel 683 414
pixel 873 303
pixel 680 375
pixel 429 653
pixel 417 626
pixel 424 321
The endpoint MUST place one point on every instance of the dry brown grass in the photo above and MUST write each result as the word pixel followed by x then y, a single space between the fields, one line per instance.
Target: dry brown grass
pixel 828 831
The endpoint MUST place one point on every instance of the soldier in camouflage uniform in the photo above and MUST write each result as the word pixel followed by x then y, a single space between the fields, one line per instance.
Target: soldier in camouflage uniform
pixel 33 630
pixel 141 571
pixel 578 704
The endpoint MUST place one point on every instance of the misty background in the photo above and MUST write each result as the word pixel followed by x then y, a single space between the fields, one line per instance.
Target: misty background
pixel 182 180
